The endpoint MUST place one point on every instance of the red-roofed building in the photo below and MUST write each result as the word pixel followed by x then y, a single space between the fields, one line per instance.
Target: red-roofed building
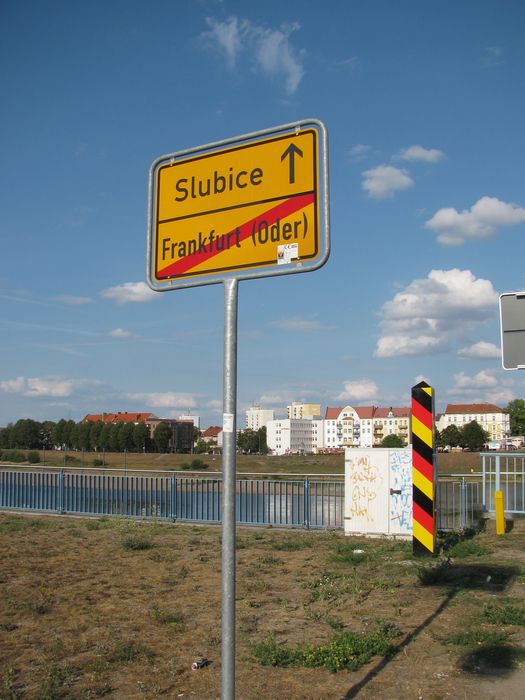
pixel 120 417
pixel 212 436
pixel 364 426
pixel 493 419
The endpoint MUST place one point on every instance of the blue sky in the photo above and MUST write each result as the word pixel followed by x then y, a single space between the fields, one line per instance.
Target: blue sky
pixel 423 103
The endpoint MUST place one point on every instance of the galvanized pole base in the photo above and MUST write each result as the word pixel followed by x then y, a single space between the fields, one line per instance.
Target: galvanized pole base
pixel 229 453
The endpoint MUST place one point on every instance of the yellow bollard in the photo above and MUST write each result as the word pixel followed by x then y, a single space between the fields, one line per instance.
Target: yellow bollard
pixel 500 512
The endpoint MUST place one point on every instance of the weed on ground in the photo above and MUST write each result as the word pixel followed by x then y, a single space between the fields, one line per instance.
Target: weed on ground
pixel 117 608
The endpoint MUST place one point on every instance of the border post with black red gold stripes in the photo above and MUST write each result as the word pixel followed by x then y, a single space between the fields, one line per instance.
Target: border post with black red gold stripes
pixel 423 471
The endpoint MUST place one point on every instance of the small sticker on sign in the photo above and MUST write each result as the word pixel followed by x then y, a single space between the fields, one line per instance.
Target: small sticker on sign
pixel 227 422
pixel 287 252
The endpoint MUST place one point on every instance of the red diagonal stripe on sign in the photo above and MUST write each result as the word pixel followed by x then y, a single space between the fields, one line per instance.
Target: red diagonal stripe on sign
pixel 281 210
pixel 421 413
pixel 422 466
pixel 423 518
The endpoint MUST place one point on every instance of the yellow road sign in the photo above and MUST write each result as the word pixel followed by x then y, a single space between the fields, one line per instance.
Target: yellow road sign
pixel 250 205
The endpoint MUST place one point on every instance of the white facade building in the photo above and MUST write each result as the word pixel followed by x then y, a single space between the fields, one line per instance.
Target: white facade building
pixel 494 420
pixel 294 436
pixel 364 426
pixel 257 417
pixel 303 410
pixel 196 420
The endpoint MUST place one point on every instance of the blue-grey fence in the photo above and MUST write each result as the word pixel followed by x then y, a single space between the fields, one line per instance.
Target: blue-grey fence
pixel 300 502
pixel 459 502
pixel 504 472
pixel 295 503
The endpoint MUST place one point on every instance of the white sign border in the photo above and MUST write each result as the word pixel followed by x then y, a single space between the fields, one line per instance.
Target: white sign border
pixel 243 274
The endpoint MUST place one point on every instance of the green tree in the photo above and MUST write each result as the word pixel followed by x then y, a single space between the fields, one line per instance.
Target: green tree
pixel 451 435
pixel 83 436
pixel 125 437
pixel 59 434
pixel 69 433
pixel 162 436
pixel 392 441
pixel 263 445
pixel 5 437
pixel 26 433
pixel 473 437
pixel 140 436
pixel 94 435
pixel 46 434
pixel 516 410
pixel 114 442
pixel 201 447
pixel 105 437
pixel 248 441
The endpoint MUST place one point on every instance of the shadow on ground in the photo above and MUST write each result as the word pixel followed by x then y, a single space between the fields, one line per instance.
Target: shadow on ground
pixel 488 660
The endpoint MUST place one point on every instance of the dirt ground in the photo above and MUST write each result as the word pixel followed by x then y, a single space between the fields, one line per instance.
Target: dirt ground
pixel 120 609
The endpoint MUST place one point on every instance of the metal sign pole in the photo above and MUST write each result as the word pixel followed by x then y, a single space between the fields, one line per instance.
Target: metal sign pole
pixel 229 453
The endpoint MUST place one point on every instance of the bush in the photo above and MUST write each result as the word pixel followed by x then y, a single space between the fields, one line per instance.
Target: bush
pixel 194 465
pixel 33 457
pixel 13 456
pixel 98 462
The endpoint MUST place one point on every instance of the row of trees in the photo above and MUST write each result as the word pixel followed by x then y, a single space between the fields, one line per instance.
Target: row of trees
pixel 470 436
pixel 91 437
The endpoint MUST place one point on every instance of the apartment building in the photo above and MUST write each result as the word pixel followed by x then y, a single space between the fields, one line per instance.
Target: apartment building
pixel 294 436
pixel 303 410
pixel 494 420
pixel 257 417
pixel 364 426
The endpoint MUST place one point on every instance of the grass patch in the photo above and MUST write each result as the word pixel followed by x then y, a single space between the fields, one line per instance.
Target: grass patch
pixel 476 638
pixel 345 651
pixel 137 541
pixel 504 614
pixel 291 543
pixel 127 652
pixel 330 586
pixel 167 617
pixel 468 548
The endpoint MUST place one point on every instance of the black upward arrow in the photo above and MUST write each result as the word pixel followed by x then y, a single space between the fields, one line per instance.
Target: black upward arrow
pixel 290 152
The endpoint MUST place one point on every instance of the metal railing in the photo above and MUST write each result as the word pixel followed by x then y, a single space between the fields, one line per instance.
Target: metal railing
pixel 459 502
pixel 308 502
pixel 506 473
pixel 294 503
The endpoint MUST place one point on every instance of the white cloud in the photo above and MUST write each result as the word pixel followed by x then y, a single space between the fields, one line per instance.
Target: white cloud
pixel 129 292
pixel 120 333
pixel 227 36
pixel 430 312
pixel 493 56
pixel 359 151
pixel 481 221
pixel 384 180
pixel 296 323
pixel 485 386
pixel 482 380
pixel 350 64
pixel 395 345
pixel 269 50
pixel 480 351
pixel 72 300
pixel 56 387
pixel 166 399
pixel 418 153
pixel 359 390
